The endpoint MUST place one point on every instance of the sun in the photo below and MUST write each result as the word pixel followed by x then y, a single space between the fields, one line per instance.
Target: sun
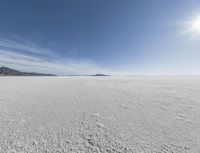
pixel 195 25
pixel 192 27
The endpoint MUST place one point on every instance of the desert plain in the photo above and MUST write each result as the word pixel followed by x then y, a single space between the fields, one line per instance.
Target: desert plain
pixel 114 114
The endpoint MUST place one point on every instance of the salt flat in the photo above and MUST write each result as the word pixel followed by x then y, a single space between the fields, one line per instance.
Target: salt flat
pixel 100 114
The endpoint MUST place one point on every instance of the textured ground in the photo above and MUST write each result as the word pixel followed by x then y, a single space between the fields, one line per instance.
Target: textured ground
pixel 100 114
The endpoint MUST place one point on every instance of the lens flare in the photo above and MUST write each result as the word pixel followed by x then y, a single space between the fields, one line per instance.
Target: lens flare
pixel 192 27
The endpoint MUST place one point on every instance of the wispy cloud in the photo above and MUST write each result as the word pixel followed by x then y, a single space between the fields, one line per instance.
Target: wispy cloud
pixel 27 56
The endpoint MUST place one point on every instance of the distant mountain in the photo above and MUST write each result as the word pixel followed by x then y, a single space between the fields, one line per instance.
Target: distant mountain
pixel 100 75
pixel 5 71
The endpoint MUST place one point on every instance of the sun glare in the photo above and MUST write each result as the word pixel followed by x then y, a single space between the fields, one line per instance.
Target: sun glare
pixel 192 27
pixel 195 25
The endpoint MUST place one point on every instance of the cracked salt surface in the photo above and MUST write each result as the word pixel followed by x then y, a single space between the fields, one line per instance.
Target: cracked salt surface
pixel 99 115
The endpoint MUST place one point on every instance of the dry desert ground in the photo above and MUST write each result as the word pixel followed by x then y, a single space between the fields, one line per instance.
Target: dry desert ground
pixel 127 114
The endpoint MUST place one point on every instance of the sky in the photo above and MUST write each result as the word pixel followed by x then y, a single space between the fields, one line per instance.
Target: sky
pixel 119 37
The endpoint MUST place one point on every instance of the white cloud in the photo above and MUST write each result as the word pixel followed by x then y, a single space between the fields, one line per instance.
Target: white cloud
pixel 26 46
pixel 28 60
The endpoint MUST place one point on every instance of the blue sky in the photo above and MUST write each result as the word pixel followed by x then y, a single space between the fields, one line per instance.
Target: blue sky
pixel 106 36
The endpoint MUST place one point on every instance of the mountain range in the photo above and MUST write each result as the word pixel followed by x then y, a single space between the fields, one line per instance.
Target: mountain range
pixel 5 71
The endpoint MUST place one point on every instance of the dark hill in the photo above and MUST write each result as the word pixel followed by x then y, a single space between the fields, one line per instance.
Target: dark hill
pixel 100 75
pixel 5 71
